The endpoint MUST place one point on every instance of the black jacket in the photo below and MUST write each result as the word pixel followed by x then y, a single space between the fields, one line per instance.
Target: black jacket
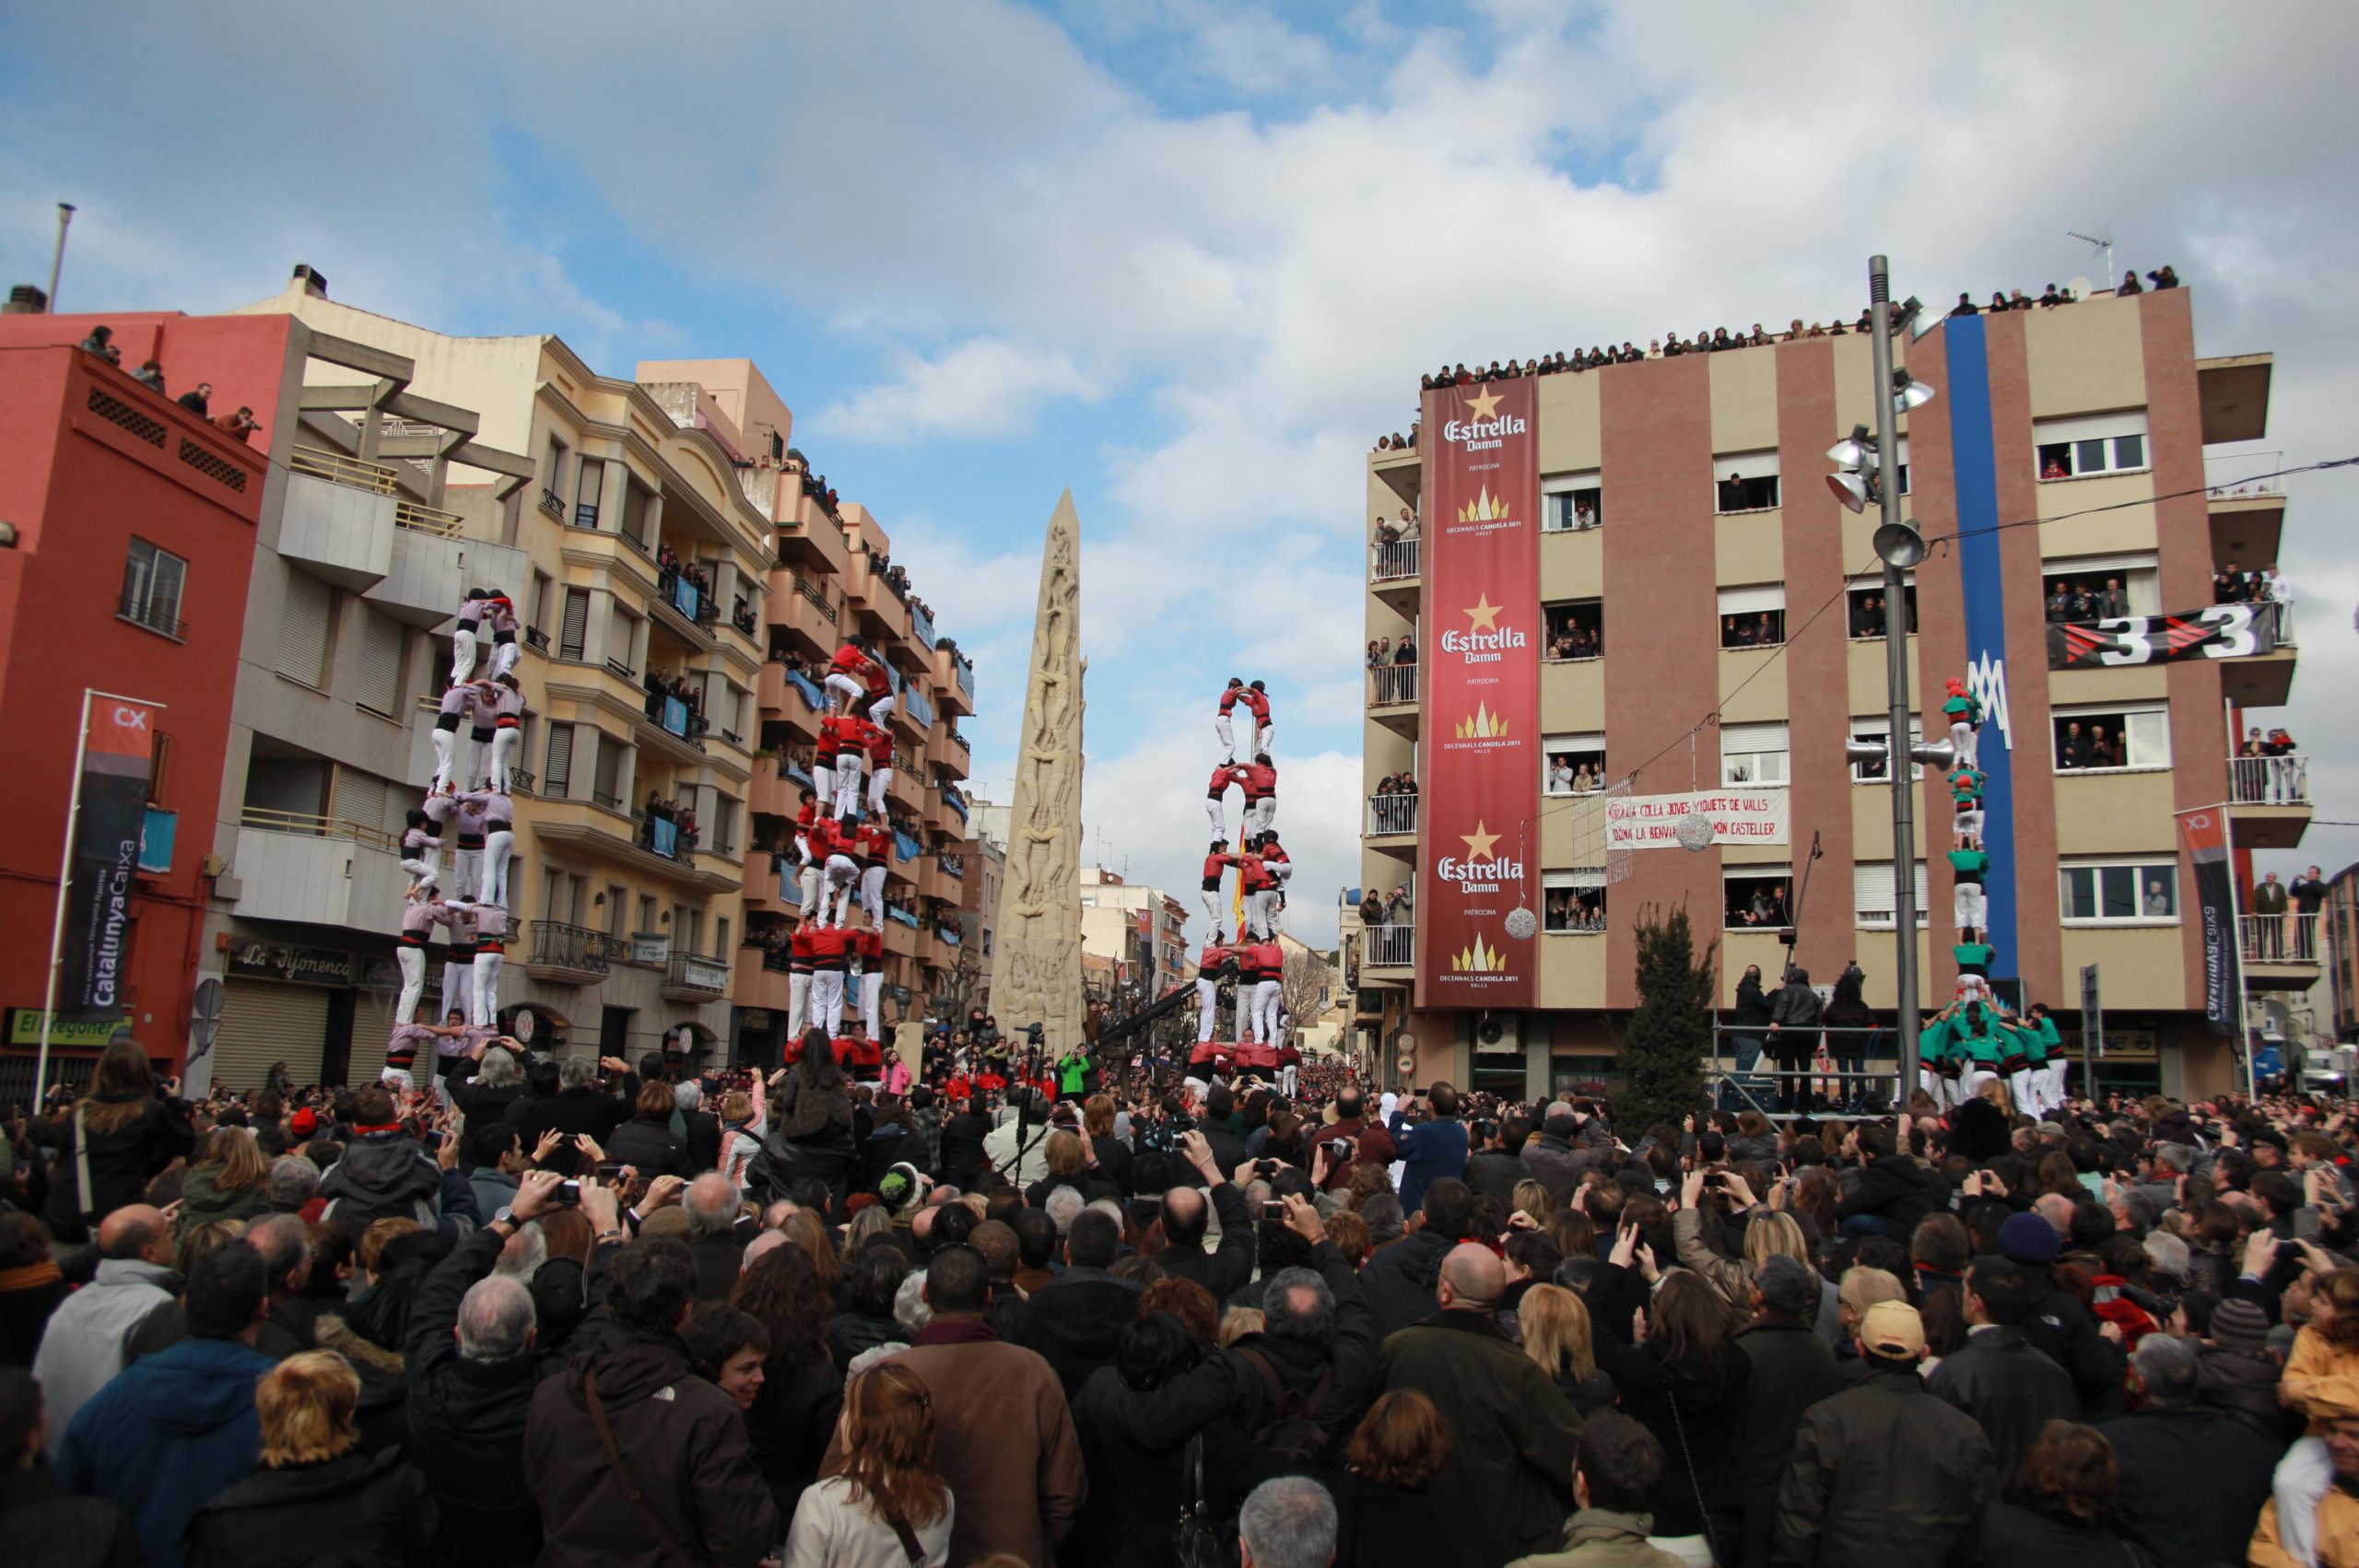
pixel 1399 1280
pixel 1793 1369
pixel 2193 1483
pixel 1883 1473
pixel 794 1415
pixel 2010 1536
pixel 1075 1322
pixel 122 1163
pixel 2010 1390
pixel 962 1148
pixel 2063 1326
pixel 46 1530
pixel 1556 1163
pixel 704 1141
pixel 1698 1427
pixel 1896 1189
pixel 1752 1003
pixel 1496 1172
pixel 1386 1526
pixel 1979 1131
pixel 1223 1271
pixel 482 1103
pixel 1134 1461
pixel 589 1110
pixel 2245 1386
pixel 359 1510
pixel 652 1148
pixel 849 1333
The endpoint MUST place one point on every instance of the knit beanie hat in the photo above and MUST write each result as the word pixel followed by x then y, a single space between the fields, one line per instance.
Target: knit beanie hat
pixel 2240 1325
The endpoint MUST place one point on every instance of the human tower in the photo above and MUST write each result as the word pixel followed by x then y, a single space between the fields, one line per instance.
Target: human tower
pixel 1258 1029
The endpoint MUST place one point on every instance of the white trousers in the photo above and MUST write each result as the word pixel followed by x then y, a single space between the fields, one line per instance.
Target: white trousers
pixel 446 757
pixel 397 1078
pixel 463 657
pixel 1261 913
pixel 2031 1090
pixel 1262 816
pixel 872 895
pixel 1228 736
pixel 843 686
pixel 468 867
pixel 458 988
pixel 505 745
pixel 424 872
pixel 1969 825
pixel 847 787
pixel 1207 1009
pixel 487 998
pixel 1936 1086
pixel 1972 905
pixel 798 1003
pixel 880 779
pixel 872 1003
pixel 881 709
pixel 413 966
pixel 836 898
pixel 1216 813
pixel 1265 1012
pixel 1964 739
pixel 813 881
pixel 827 1000
pixel 1211 909
pixel 823 787
pixel 504 656
pixel 1971 1081
pixel 497 845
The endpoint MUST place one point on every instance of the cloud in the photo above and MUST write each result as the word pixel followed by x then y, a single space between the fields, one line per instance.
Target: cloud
pixel 983 387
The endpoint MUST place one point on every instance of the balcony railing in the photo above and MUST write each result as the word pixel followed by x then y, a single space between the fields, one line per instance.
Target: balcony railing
pixel 316 827
pixel 915 704
pixel 2231 475
pixel 422 518
pixel 536 639
pixel 154 613
pixel 560 946
pixel 1391 684
pixel 810 591
pixel 699 972
pixel 963 671
pixel 520 781
pixel 1389 946
pixel 1395 559
pixel 553 503
pixel 2279 619
pixel 1392 813
pixel 922 626
pixel 2269 781
pixel 2290 938
pixel 338 468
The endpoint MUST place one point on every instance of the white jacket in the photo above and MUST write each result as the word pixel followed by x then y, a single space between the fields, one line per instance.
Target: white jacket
pixel 81 1350
pixel 832 1531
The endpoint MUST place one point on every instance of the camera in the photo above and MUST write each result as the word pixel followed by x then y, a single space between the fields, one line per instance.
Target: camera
pixel 609 1172
pixel 1265 1168
pixel 1338 1148
pixel 570 1193
pixel 1274 1210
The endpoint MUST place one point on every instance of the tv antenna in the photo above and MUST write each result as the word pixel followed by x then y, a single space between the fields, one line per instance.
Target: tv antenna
pixel 2097 248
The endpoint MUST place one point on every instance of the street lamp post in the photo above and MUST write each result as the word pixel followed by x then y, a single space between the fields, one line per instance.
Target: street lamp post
pixel 1899 546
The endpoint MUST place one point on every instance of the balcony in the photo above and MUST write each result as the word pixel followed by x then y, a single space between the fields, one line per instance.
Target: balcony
pixel 2248 512
pixel 571 955
pixel 954 677
pixel 1393 575
pixel 922 627
pixel 553 503
pixel 2235 392
pixel 668 726
pixel 2269 801
pixel 316 871
pixel 1387 947
pixel 762 979
pixel 601 827
pixel 685 610
pixel 2264 680
pixel 2279 952
pixel 808 537
pixel 335 519
pixel 431 569
pixel 1392 697
pixel 1391 816
pixel 693 977
pixel 949 754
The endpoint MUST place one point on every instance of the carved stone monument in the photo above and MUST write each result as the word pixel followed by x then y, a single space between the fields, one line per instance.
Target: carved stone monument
pixel 1038 956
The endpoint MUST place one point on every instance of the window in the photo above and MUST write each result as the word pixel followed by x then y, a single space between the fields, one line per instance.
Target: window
pixel 160 763
pixel 1866 607
pixel 585 493
pixel 1878 731
pixel 1573 902
pixel 153 581
pixel 1900 459
pixel 537 621
pixel 554 482
pixel 1572 765
pixel 1753 617
pixel 2080 588
pixel 622 638
pixel 617 908
pixel 1571 503
pixel 647 913
pixel 2098 443
pixel 303 618
pixel 609 788
pixel 557 768
pixel 1873 901
pixel 724 825
pixel 377 680
pixel 2121 893
pixel 1745 482
pixel 1756 898
pixel 2091 739
pixel 720 934
pixel 1576 630
pixel 1753 753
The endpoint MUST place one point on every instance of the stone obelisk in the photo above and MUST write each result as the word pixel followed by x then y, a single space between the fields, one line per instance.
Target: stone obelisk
pixel 1038 956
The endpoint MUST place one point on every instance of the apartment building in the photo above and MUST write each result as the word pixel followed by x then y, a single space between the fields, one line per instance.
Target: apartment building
pixel 1142 929
pixel 1697 624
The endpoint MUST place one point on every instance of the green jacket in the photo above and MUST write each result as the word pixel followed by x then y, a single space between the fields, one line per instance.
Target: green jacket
pixel 202 1201
pixel 1599 1538
pixel 1933 1042
pixel 2051 1042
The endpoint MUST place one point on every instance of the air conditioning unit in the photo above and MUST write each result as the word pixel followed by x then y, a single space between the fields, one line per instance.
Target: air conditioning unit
pixel 1498 1033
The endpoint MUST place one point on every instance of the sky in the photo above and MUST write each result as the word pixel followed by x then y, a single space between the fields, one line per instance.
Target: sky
pixel 1189 259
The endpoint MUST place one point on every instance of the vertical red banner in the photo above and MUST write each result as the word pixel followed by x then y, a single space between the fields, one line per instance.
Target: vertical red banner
pixel 1481 634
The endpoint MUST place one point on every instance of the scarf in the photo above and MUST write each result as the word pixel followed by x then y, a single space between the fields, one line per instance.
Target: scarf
pixel 31 1276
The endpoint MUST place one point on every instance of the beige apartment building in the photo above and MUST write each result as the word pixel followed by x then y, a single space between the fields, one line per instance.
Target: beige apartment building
pixel 1706 615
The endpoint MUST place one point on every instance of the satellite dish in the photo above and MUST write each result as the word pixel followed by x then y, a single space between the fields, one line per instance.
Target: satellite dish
pixel 1521 922
pixel 204 1012
pixel 2079 289
pixel 1694 832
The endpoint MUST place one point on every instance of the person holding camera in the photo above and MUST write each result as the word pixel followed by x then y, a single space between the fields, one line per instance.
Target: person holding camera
pixel 1497 1166
pixel 1433 1150
pixel 1353 1139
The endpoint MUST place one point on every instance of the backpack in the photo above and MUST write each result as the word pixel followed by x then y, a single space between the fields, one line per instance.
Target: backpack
pixel 1291 1430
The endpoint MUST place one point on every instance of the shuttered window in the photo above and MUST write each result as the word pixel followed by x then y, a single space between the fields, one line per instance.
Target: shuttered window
pixel 377 683
pixel 360 799
pixel 1753 753
pixel 610 771
pixel 1872 893
pixel 303 617
pixel 264 1022
pixel 575 634
pixel 557 770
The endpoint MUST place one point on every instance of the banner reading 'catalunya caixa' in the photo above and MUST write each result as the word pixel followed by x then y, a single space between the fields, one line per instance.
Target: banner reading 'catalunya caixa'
pixel 1482 637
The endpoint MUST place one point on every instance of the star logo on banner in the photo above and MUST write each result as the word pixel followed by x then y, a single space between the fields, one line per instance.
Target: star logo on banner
pixel 1483 404
pixel 1478 844
pixel 1484 616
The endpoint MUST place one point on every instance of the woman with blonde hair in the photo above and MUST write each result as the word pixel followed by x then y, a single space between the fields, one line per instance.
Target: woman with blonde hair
pixel 888 1508
pixel 121 1134
pixel 315 1484
pixel 1531 1199
pixel 1556 1335
pixel 1768 1232
pixel 229 1181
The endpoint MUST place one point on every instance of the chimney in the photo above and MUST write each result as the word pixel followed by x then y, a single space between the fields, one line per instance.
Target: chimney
pixel 314 283
pixel 24 299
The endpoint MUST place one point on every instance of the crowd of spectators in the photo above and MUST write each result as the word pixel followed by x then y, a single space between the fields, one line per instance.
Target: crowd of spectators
pixel 1404 782
pixel 150 374
pixel 1385 651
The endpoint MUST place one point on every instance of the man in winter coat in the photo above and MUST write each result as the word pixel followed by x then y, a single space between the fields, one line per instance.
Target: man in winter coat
pixel 1894 1193
pixel 1505 1490
pixel 1075 1321
pixel 1218 1271
pixel 82 1347
pixel 1433 1150
pixel 1555 1163
pixel 1614 1476
pixel 1884 1472
pixel 1793 1369
pixel 2191 1478
pixel 1496 1169
pixel 1371 1145
pixel 178 1428
pixel 1996 1378
pixel 1753 1016
pixel 1403 1280
pixel 1793 1039
pixel 2061 1325
pixel 383 1174
pixel 683 1438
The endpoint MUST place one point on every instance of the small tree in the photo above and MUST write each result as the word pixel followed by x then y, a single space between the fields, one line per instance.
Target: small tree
pixel 1671 1033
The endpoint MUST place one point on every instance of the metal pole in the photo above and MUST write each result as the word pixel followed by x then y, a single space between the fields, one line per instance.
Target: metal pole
pixel 1896 649
pixel 57 257
pixel 65 876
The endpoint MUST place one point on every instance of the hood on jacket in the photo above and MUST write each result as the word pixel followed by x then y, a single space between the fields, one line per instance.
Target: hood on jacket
pixel 383 1163
pixel 335 1334
pixel 200 1386
pixel 1418 1257
pixel 305 1483
pixel 632 1366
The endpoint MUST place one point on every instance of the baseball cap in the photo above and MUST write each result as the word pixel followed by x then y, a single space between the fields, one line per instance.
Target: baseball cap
pixel 2027 1238
pixel 1893 1329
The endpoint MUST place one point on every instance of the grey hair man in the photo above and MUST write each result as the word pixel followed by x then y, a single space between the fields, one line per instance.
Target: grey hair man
pixel 1061 1206
pixel 577 1072
pixel 2179 1434
pixel 1288 1523
pixel 496 1321
pixel 711 1202
pixel 284 1244
pixel 294 1182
